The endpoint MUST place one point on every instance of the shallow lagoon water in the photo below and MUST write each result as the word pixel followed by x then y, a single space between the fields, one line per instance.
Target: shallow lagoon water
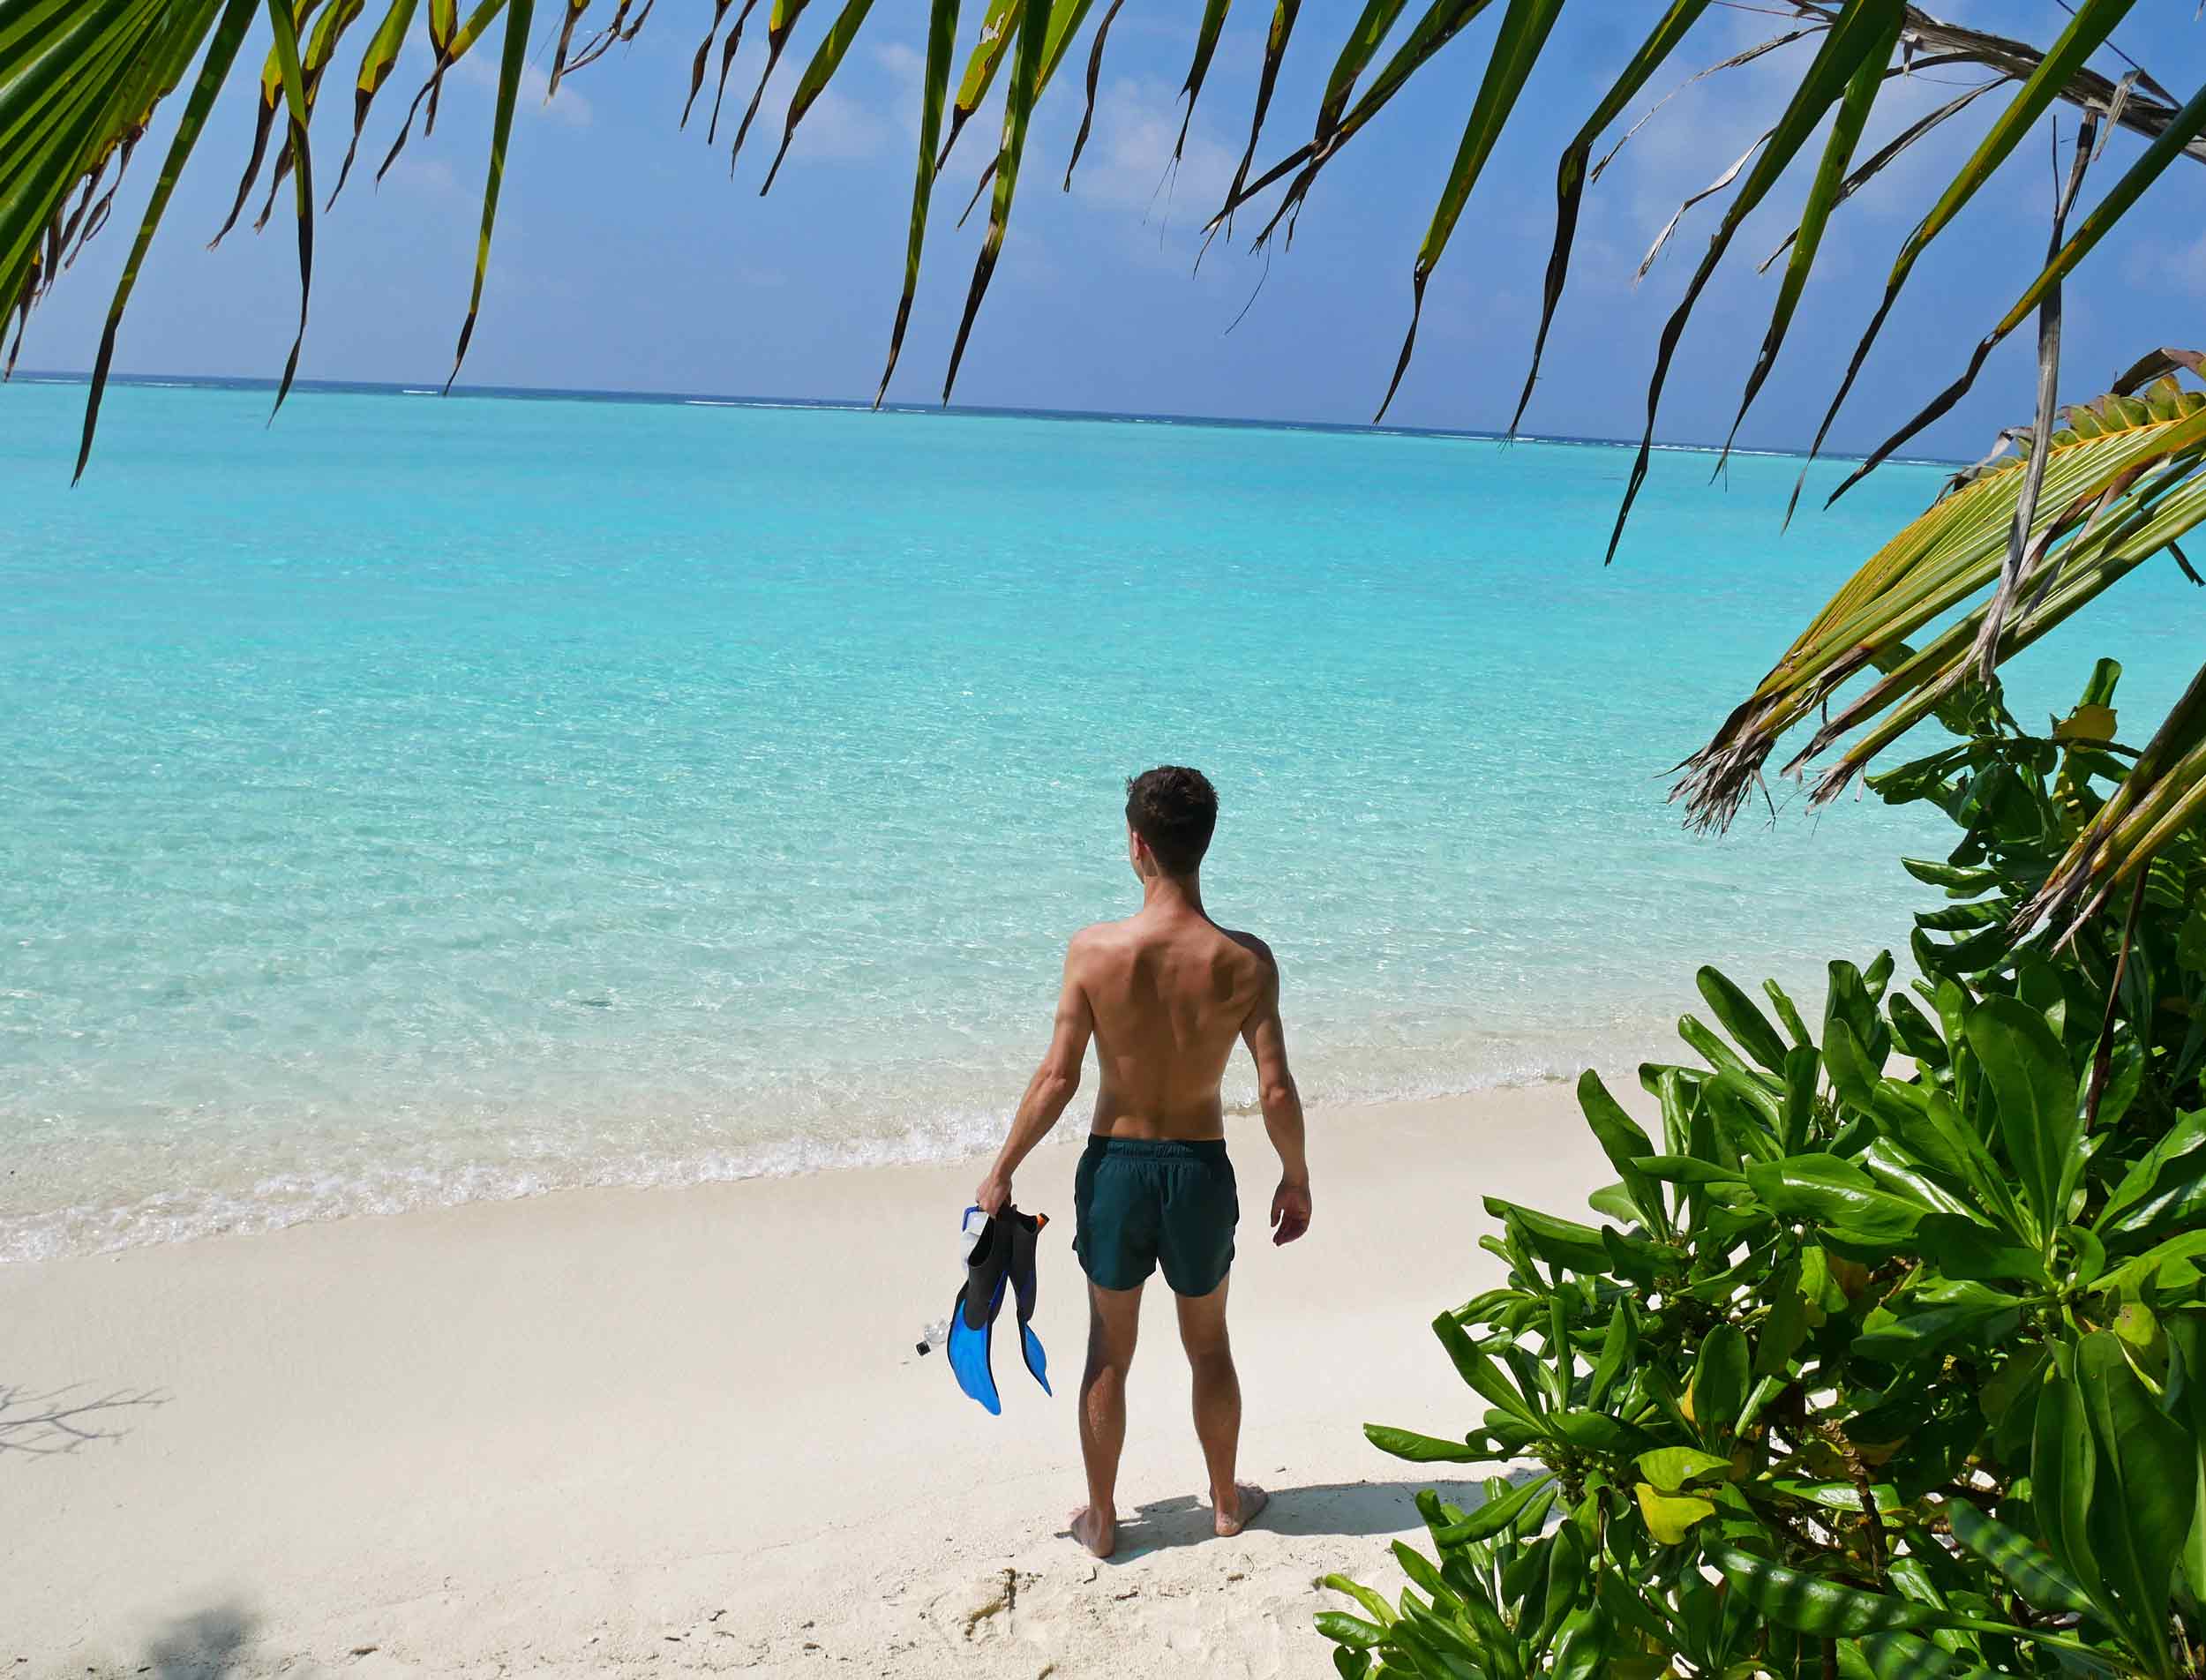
pixel 429 800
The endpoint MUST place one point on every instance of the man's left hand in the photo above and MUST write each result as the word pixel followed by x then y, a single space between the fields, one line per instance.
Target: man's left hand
pixel 994 1194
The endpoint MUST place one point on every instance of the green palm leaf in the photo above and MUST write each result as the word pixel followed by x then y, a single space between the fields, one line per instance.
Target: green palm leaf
pixel 1570 172
pixel 514 56
pixel 817 75
pixel 1095 72
pixel 282 26
pixel 1524 31
pixel 376 64
pixel 2092 22
pixel 779 22
pixel 1018 112
pixel 998 26
pixel 1283 15
pixel 1205 49
pixel 221 52
pixel 941 41
pixel 1862 33
pixel 2122 482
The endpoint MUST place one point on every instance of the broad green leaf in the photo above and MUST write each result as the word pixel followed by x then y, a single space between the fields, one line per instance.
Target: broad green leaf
pixel 1670 1468
pixel 2144 1502
pixel 2182 1139
pixel 1964 1249
pixel 1350 1630
pixel 2063 1475
pixel 1478 1370
pixel 1686 1169
pixel 1838 1496
pixel 1584 1647
pixel 1670 1516
pixel 1560 1242
pixel 2130 1272
pixel 1827 1191
pixel 1813 1605
pixel 1623 1142
pixel 1907 1656
pixel 1422 1449
pixel 1494 1516
pixel 2025 1563
pixel 1619 1344
pixel 1720 1378
pixel 1748 1027
pixel 1803 1069
pixel 2033 1090
pixel 1915 1334
pixel 1420 1568
pixel 1852 1077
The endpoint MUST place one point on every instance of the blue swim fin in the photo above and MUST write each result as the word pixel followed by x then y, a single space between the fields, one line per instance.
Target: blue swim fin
pixel 969 1349
pixel 1037 1362
pixel 1001 1262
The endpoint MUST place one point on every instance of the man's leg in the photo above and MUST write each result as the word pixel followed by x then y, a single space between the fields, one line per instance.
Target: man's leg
pixel 1217 1406
pixel 1113 1320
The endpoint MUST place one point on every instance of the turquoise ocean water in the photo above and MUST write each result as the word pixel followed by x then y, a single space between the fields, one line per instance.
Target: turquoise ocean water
pixel 429 800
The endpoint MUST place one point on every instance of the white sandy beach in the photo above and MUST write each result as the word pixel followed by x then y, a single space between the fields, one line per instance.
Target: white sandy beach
pixel 675 1429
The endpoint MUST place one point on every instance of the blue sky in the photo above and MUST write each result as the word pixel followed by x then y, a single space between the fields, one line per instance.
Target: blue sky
pixel 627 259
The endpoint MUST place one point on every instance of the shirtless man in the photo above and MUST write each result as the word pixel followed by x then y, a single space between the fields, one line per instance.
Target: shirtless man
pixel 1164 993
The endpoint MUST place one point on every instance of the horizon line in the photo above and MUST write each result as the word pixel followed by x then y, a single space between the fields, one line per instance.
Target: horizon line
pixel 979 411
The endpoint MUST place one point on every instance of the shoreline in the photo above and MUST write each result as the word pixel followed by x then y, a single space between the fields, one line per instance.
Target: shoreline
pixel 44 1236
pixel 609 1428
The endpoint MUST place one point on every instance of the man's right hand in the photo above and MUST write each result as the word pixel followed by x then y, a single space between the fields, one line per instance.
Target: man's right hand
pixel 1290 1212
pixel 994 1194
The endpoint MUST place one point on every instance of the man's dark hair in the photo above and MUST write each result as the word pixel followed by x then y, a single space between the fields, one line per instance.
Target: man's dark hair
pixel 1174 809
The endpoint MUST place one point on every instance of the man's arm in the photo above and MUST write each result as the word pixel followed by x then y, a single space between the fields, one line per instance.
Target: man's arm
pixel 1282 1104
pixel 1048 1091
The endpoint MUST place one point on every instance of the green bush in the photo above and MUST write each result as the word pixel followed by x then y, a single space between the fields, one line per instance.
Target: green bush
pixel 1889 1356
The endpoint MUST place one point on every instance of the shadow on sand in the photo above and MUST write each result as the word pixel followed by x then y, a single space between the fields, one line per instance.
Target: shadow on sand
pixel 208 1645
pixel 62 1419
pixel 1348 1509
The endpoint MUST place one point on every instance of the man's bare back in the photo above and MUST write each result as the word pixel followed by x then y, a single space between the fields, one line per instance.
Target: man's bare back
pixel 1171 993
pixel 1163 995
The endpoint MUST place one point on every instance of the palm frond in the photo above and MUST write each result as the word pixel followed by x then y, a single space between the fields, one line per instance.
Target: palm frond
pixel 2121 481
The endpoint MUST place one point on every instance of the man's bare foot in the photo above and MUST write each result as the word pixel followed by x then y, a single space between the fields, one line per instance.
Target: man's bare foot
pixel 1098 1534
pixel 1248 1499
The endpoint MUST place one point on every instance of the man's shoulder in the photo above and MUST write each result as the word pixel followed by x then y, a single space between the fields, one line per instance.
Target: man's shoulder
pixel 1094 940
pixel 1254 946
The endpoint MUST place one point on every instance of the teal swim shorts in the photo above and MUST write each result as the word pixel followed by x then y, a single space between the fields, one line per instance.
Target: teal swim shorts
pixel 1141 1201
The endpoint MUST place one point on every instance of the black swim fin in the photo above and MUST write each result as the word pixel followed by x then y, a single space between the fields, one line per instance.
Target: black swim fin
pixel 1001 1262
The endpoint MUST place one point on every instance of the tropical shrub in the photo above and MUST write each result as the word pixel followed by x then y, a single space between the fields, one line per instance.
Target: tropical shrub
pixel 1889 1356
